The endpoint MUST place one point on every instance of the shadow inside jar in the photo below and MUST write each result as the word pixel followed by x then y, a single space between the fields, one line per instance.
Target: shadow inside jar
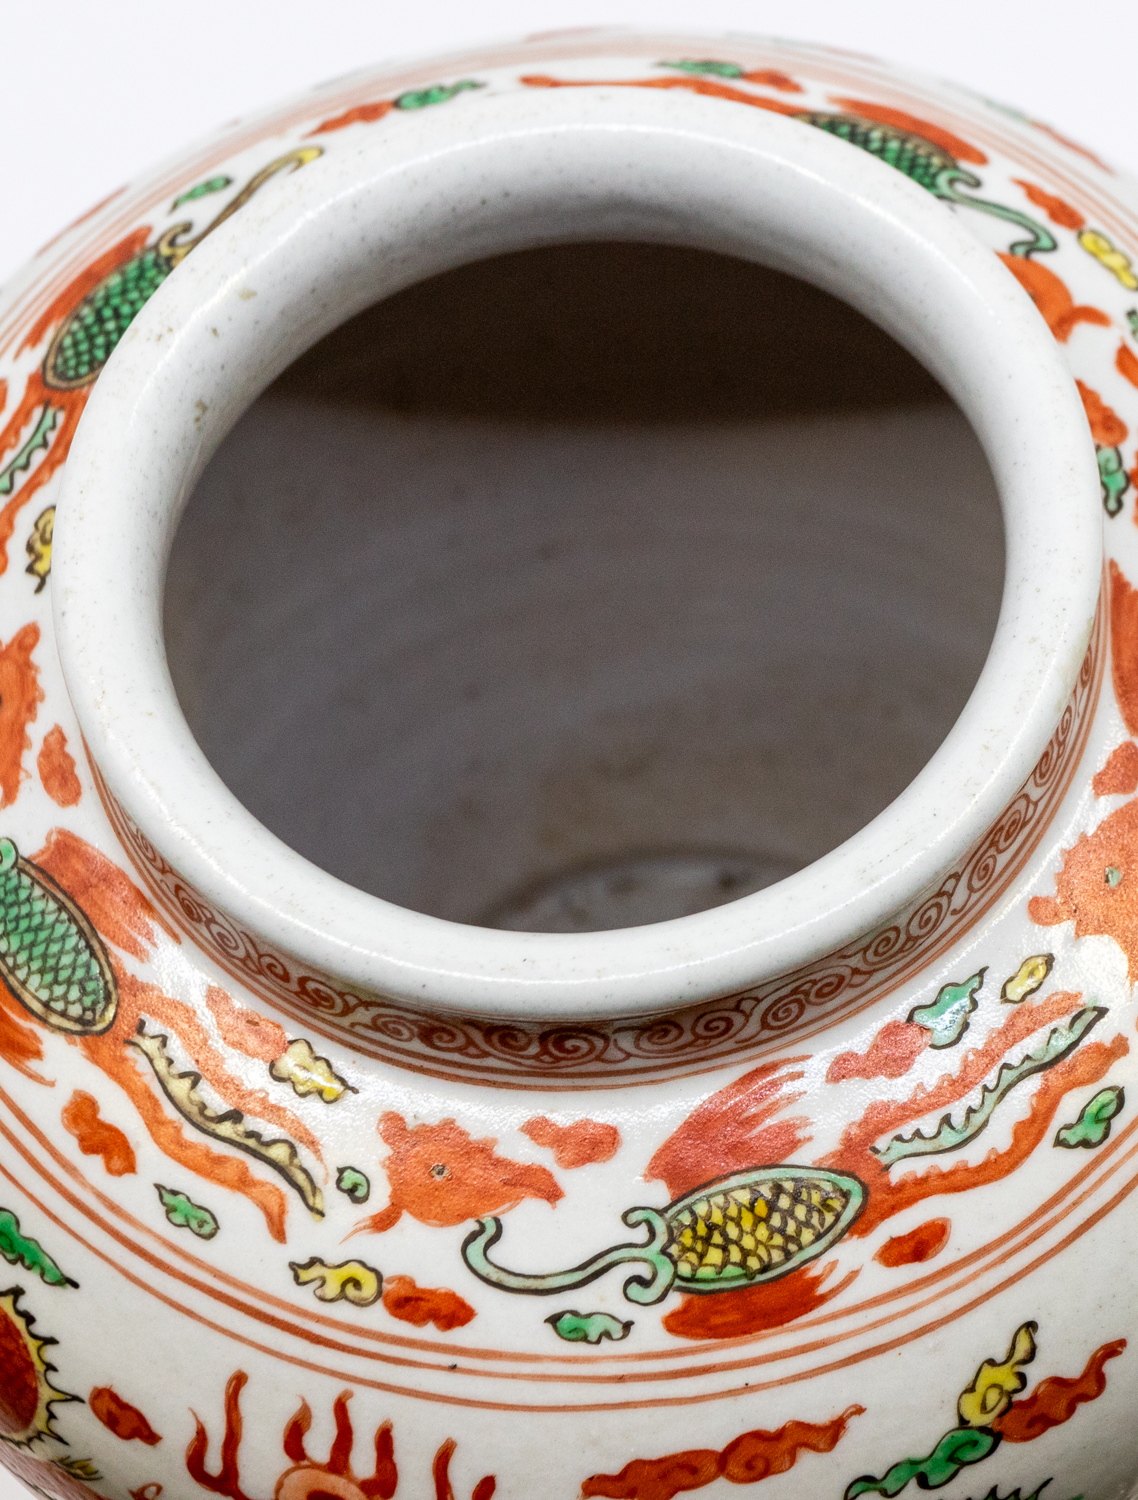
pixel 585 587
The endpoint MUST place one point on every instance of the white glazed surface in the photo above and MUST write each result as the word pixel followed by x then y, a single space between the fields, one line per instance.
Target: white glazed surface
pixel 539 168
pixel 176 1214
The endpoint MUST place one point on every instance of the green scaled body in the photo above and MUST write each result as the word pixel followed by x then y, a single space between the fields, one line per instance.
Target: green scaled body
pixel 87 339
pixel 51 958
pixel 738 1231
pixel 930 167
pixel 911 154
pixel 758 1225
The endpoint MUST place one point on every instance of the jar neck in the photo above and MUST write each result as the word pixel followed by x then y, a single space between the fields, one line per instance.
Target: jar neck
pixel 319 244
pixel 735 1029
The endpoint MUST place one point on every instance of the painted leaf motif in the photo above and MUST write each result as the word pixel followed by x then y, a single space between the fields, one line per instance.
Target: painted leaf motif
pixel 1113 479
pixel 438 93
pixel 588 1328
pixel 354 1184
pixel 958 1448
pixel 1093 1125
pixel 706 65
pixel 947 1016
pixel 184 1214
pixel 21 1250
pixel 948 1136
pixel 203 189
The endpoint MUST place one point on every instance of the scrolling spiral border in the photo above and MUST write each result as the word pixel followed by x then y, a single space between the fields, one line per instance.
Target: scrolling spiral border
pixel 697 1038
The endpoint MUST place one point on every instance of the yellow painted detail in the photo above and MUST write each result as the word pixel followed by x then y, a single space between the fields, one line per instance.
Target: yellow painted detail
pixel 1027 978
pixel 1118 264
pixel 307 1073
pixel 994 1385
pixel 350 1281
pixel 38 546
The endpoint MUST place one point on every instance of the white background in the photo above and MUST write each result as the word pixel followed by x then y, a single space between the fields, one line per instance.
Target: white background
pixel 95 90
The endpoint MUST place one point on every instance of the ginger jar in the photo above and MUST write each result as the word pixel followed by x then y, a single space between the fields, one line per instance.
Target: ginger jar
pixel 703 1145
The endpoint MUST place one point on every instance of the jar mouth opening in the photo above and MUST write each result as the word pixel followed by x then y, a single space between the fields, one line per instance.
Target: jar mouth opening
pixel 317 246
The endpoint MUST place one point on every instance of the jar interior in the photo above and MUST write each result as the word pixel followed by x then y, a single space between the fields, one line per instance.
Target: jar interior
pixel 584 587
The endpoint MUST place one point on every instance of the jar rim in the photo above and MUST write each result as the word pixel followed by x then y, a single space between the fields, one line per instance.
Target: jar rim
pixel 317 246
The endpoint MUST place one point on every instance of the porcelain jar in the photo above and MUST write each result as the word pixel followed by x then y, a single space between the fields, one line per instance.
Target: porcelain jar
pixel 826 1189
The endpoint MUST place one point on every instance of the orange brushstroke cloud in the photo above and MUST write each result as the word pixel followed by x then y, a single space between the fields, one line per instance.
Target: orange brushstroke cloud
pixel 576 1145
pixel 891 1054
pixel 1124 645
pixel 1056 209
pixel 147 999
pixel 1126 364
pixel 1097 885
pixel 888 1196
pixel 734 1130
pixel 1119 776
pixel 19 1043
pixel 121 1064
pixel 119 1417
pixel 774 78
pixel 56 767
pixel 362 114
pixel 20 697
pixel 1107 427
pixel 244 1029
pixel 441 1176
pixel 421 1305
pixel 107 1052
pixel 916 1247
pixel 1050 295
pixel 111 900
pixel 728 1315
pixel 97 1137
pixel 123 916
pixel 1054 1400
pixel 747 1459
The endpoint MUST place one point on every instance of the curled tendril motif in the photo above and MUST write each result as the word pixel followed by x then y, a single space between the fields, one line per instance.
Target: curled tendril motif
pixel 687 1040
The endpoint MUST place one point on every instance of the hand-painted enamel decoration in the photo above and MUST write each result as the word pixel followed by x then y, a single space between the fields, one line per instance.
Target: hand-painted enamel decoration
pixel 828 1190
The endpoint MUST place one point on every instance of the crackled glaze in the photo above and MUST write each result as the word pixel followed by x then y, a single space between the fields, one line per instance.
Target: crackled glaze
pixel 304 1195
